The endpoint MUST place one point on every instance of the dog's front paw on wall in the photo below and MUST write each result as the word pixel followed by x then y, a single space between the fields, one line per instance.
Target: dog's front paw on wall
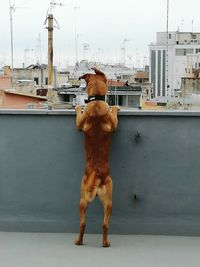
pixel 78 108
pixel 117 108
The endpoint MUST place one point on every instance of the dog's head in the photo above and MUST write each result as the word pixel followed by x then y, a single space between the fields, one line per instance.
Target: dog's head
pixel 96 83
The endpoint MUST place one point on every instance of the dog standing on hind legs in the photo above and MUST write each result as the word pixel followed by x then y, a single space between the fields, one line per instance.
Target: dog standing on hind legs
pixel 97 121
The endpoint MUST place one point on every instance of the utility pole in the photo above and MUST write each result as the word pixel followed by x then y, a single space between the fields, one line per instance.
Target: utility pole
pixel 50 27
pixel 50 49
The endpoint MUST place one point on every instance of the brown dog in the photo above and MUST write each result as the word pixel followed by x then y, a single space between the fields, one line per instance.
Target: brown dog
pixel 97 121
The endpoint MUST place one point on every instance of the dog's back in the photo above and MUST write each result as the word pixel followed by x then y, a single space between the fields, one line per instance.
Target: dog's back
pixel 97 141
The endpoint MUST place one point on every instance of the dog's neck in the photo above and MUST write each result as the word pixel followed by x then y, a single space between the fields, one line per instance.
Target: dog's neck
pixel 95 97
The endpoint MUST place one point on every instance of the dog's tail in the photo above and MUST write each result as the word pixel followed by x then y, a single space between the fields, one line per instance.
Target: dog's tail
pixel 91 181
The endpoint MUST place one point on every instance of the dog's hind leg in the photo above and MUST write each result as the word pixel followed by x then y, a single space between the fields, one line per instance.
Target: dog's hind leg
pixel 86 198
pixel 107 214
pixel 105 195
pixel 83 207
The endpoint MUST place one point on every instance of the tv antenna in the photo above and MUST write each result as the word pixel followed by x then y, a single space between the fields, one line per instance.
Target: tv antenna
pixel 12 9
pixel 124 50
pixel 38 49
pixel 50 27
pixel 86 47
pixel 167 51
pixel 53 4
pixel 76 35
pixel 26 51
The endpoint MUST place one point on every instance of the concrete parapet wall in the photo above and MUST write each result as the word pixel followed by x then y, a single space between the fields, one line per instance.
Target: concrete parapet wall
pixel 155 167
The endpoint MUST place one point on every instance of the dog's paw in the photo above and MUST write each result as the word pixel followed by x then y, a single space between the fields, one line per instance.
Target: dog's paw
pixel 117 108
pixel 78 108
pixel 79 242
pixel 106 244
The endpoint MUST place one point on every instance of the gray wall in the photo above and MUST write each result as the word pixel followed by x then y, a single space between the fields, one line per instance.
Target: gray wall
pixel 156 176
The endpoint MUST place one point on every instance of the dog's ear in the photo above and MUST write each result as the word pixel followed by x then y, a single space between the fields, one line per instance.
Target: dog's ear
pixel 83 77
pixel 97 71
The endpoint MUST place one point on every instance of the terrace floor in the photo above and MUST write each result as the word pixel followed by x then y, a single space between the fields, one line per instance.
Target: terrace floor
pixel 58 250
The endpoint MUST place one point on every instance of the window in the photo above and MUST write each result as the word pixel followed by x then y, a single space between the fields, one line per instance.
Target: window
pixel 183 51
pixel 197 50
pixel 179 52
pixel 170 36
pixel 189 51
pixel 46 81
pixel 197 65
pixel 36 80
pixel 194 36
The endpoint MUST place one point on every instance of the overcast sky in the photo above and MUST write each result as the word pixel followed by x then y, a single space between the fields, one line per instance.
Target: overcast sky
pixel 102 24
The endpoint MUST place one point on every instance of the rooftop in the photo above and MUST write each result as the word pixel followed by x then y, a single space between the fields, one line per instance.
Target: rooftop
pixel 51 250
pixel 14 92
pixel 155 170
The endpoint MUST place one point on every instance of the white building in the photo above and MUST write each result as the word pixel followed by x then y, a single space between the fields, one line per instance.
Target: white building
pixel 169 59
pixel 117 71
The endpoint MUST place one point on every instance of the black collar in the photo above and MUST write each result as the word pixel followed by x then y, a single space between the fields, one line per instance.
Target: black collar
pixel 95 97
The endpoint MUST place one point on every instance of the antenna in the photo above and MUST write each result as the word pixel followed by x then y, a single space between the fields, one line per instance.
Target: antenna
pixel 26 50
pixel 182 24
pixel 124 50
pixel 50 27
pixel 12 9
pixel 53 4
pixel 167 50
pixel 86 47
pixel 76 35
pixel 38 50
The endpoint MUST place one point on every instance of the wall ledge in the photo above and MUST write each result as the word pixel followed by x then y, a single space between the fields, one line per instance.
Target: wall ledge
pixel 122 112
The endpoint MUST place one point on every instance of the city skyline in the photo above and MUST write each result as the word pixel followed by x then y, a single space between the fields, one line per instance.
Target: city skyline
pixel 109 32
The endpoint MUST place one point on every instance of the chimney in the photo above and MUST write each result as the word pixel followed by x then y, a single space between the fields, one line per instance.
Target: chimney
pixel 7 70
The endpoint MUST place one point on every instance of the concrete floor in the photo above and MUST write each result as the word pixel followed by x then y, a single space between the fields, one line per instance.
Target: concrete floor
pixel 58 250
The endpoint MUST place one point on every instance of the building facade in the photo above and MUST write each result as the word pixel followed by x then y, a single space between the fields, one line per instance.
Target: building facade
pixel 35 75
pixel 170 57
